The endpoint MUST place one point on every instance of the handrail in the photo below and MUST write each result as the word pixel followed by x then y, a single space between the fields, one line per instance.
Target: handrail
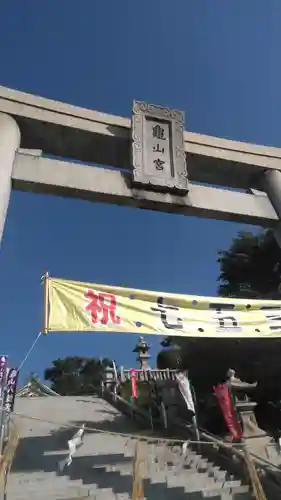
pixel 219 442
pixel 131 406
pixel 267 468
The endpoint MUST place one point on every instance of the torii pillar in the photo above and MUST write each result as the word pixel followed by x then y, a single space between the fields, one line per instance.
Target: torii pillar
pixel 9 144
pixel 272 186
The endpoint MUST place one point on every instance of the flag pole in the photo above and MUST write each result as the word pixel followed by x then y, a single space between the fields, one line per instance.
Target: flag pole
pixel 45 279
pixel 194 418
pixel 138 489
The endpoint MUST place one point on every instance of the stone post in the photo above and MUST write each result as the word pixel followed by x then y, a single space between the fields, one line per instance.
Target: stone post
pixel 245 407
pixel 108 378
pixel 9 144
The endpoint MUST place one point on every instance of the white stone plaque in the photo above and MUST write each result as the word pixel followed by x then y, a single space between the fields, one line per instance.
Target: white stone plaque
pixel 159 159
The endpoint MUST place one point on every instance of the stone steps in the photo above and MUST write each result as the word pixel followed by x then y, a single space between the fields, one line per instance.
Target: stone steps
pixel 102 467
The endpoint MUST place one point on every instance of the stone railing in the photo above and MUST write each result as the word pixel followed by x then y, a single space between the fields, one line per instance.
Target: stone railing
pixel 113 379
pixel 147 375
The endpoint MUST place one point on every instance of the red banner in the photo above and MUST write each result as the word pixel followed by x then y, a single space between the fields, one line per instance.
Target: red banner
pixel 224 399
pixel 134 383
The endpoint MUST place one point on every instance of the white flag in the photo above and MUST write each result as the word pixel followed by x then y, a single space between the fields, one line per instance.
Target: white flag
pixel 73 444
pixel 184 387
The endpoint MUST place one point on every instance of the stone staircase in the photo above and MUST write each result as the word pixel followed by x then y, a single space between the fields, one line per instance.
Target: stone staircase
pixel 102 467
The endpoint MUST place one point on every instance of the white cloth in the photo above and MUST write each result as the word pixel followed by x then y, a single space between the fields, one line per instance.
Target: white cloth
pixel 73 444
pixel 184 387
pixel 185 448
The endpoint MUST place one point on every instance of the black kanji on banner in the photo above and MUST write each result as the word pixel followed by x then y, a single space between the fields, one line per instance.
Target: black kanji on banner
pixel 273 316
pixel 11 388
pixel 174 323
pixel 225 315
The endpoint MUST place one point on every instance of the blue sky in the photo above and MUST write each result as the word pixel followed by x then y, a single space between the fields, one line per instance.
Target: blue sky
pixel 218 60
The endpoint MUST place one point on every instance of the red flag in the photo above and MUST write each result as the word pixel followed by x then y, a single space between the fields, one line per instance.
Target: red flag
pixel 134 383
pixel 224 399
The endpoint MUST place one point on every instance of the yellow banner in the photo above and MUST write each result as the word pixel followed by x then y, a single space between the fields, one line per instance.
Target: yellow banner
pixel 75 307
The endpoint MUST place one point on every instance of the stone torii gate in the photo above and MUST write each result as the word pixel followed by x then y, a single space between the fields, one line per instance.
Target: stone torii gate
pixel 134 168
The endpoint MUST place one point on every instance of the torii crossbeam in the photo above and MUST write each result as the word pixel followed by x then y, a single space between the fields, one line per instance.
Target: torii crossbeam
pixel 34 130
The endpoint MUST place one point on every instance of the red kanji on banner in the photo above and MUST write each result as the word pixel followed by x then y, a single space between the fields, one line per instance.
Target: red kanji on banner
pixel 102 307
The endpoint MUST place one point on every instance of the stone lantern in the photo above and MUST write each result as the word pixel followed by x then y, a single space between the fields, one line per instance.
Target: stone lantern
pixel 108 378
pixel 142 349
pixel 244 405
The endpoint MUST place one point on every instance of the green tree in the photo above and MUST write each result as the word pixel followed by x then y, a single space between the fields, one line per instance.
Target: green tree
pixel 251 267
pixel 76 375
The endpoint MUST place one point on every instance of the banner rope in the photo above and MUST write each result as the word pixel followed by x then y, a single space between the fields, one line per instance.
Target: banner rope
pixel 126 435
pixel 29 351
pixel 138 492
